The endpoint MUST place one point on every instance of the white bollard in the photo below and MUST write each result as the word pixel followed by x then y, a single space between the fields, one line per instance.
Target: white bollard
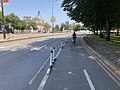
pixel 54 55
pixel 51 59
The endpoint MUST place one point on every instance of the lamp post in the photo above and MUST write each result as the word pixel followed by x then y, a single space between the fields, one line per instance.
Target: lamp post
pixel 3 26
pixel 52 18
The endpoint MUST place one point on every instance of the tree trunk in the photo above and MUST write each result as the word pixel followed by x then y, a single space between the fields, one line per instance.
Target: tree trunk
pixel 94 30
pixel 108 30
pixel 101 34
pixel 117 32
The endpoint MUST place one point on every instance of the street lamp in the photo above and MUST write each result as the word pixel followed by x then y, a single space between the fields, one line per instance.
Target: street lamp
pixel 52 18
pixel 3 26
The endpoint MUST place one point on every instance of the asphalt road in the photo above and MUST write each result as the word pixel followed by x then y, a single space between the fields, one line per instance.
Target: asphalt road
pixel 23 69
pixel 75 69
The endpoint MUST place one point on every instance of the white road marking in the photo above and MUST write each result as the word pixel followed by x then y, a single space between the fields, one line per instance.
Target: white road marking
pixel 10 46
pixel 37 49
pixel 5 53
pixel 91 57
pixel 58 53
pixel 103 66
pixel 32 80
pixel 109 73
pixel 44 80
pixel 89 81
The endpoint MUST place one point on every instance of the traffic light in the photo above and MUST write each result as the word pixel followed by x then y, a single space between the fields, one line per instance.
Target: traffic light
pixel 6 1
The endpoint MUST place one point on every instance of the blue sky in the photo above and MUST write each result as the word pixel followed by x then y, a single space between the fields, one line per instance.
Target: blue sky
pixel 30 8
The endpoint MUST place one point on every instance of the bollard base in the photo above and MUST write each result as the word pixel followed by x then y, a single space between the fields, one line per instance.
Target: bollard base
pixel 61 47
pixel 54 59
pixel 53 63
pixel 51 67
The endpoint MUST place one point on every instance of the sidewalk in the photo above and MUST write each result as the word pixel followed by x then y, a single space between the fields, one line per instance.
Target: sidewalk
pixel 14 37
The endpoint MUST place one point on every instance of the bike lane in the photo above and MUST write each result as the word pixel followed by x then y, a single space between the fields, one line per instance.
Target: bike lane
pixel 76 69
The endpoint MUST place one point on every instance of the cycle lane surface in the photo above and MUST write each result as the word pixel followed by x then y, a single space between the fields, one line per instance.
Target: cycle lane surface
pixel 76 69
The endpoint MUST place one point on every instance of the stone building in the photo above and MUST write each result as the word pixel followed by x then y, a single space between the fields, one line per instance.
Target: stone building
pixel 27 19
pixel 38 20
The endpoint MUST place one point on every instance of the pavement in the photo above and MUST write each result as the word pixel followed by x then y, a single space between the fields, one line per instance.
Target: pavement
pixel 76 69
pixel 14 37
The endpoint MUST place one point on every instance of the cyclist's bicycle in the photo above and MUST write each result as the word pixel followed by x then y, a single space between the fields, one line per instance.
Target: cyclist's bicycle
pixel 74 41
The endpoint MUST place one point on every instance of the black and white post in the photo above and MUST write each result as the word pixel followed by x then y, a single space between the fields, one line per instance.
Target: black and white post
pixel 54 58
pixel 51 59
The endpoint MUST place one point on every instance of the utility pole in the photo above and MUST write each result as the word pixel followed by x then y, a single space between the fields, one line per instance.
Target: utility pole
pixel 3 26
pixel 52 18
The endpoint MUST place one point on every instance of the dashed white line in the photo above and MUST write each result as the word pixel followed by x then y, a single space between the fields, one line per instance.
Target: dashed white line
pixel 32 80
pixel 44 80
pixel 89 80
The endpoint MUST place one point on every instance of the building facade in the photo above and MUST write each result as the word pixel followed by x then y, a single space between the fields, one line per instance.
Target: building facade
pixel 38 20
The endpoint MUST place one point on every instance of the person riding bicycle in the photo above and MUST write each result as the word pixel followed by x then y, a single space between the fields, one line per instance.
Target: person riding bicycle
pixel 74 37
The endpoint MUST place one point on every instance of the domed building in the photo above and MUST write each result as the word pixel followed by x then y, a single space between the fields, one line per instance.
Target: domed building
pixel 40 22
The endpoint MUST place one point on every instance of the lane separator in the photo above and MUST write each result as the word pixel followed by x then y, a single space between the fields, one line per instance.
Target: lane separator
pixel 46 76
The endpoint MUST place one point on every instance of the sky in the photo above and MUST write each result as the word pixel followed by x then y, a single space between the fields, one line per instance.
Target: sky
pixel 23 8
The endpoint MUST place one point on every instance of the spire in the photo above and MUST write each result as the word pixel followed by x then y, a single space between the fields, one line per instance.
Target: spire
pixel 38 12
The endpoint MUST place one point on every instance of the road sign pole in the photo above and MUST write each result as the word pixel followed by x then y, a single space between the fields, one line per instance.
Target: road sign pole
pixel 3 26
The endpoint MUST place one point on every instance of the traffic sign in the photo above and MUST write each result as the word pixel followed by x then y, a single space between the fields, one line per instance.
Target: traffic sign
pixel 2 27
pixel 53 19
pixel 6 1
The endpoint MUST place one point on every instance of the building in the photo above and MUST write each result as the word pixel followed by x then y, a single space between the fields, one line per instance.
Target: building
pixel 27 19
pixel 38 20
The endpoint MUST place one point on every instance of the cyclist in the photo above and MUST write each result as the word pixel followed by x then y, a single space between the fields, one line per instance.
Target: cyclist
pixel 74 37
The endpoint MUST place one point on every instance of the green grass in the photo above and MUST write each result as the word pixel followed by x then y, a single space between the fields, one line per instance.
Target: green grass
pixel 115 40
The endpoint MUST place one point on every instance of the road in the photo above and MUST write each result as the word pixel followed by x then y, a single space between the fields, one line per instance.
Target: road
pixel 23 66
pixel 18 67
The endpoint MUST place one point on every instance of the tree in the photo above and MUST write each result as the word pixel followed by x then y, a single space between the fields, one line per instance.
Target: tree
pixel 13 20
pixel 33 24
pixel 22 25
pixel 97 14
pixel 57 28
pixel 47 26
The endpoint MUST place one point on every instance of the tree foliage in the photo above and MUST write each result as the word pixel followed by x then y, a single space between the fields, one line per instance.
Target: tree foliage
pixel 14 22
pixel 47 26
pixel 97 14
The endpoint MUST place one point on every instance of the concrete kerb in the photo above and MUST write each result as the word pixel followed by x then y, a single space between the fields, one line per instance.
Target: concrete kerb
pixel 23 38
pixel 113 69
